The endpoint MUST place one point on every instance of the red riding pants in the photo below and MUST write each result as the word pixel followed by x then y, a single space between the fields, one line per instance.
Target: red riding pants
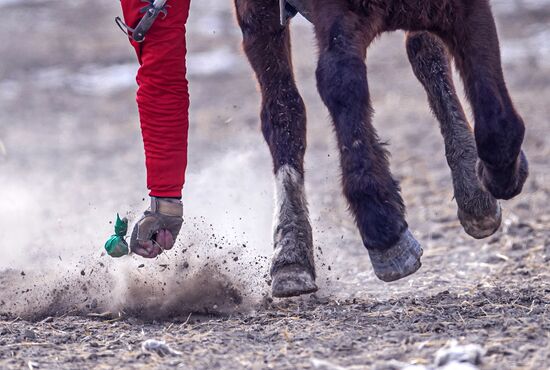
pixel 163 96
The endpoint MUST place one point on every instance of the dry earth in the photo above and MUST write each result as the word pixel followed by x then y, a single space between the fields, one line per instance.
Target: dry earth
pixel 71 156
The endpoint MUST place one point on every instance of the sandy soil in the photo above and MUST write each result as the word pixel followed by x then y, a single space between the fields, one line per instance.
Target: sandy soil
pixel 71 157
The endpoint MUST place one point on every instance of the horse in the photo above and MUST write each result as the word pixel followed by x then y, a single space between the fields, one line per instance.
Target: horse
pixel 486 162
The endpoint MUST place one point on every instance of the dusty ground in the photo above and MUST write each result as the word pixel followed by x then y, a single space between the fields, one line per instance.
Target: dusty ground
pixel 71 156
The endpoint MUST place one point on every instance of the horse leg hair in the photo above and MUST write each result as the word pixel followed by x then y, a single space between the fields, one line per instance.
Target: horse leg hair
pixel 499 129
pixel 478 211
pixel 372 193
pixel 283 116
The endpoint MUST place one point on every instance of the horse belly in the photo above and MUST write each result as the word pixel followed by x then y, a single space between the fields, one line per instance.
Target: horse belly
pixel 413 15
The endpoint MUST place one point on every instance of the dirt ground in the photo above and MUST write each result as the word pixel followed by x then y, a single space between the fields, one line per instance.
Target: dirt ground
pixel 71 157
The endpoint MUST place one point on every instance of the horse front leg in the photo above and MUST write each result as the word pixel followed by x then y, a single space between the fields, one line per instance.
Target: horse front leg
pixel 478 211
pixel 372 193
pixel 499 129
pixel 267 46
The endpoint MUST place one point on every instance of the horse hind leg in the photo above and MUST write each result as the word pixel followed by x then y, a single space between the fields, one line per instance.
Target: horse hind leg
pixel 499 130
pixel 478 211
pixel 283 116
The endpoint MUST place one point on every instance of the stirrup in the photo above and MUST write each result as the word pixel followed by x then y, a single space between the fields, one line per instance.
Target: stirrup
pixel 150 14
pixel 128 31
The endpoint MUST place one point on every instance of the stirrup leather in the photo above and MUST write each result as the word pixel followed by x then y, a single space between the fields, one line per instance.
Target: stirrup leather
pixel 289 8
pixel 286 12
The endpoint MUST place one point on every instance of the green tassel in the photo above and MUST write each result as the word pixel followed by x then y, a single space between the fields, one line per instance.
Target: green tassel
pixel 116 246
pixel 121 226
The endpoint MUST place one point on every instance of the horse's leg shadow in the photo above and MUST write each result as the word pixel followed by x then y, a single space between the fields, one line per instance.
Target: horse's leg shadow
pixel 478 211
pixel 267 46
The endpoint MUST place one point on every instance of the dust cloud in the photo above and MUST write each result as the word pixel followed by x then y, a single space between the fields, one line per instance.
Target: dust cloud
pixel 52 260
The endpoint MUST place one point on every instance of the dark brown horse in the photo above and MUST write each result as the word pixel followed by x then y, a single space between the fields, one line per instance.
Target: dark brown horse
pixel 486 163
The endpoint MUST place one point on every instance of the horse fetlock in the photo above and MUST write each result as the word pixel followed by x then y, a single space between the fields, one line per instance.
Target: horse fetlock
pixel 292 268
pixel 504 183
pixel 499 138
pixel 292 281
pixel 398 261
pixel 294 245
pixel 484 223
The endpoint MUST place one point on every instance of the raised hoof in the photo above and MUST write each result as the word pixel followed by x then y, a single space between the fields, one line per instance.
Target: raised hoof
pixel 504 183
pixel 481 227
pixel 292 281
pixel 401 260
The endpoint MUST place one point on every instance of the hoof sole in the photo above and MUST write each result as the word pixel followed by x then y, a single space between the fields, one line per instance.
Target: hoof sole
pixel 481 227
pixel 292 281
pixel 398 262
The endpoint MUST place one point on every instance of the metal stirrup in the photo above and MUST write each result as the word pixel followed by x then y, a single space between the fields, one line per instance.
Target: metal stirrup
pixel 124 27
pixel 150 14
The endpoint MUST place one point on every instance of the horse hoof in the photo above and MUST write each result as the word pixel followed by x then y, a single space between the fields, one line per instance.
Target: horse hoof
pixel 481 227
pixel 292 281
pixel 507 183
pixel 401 260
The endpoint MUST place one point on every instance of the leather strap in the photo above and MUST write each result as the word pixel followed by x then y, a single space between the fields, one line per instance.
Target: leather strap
pixel 289 8
pixel 303 7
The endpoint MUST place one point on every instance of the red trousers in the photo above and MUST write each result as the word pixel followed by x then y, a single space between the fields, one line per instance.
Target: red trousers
pixel 163 96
